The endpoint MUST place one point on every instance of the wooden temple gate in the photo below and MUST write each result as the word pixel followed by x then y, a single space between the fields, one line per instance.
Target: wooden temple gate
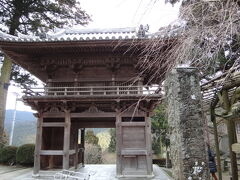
pixel 89 83
pixel 59 123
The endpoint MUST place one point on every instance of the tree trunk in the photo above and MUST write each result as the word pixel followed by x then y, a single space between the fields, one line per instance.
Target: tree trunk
pixel 6 72
pixel 4 83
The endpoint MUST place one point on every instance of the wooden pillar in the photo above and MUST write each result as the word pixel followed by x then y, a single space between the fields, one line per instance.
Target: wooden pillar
pixel 215 130
pixel 76 148
pixel 51 158
pixel 66 141
pixel 148 144
pixel 83 144
pixel 38 145
pixel 231 134
pixel 140 84
pixel 231 139
pixel 118 143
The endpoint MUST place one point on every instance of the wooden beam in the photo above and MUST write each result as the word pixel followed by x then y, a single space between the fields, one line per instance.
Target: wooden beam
pixel 231 140
pixel 72 151
pixel 66 142
pixel 224 96
pixel 53 124
pixel 38 145
pixel 51 152
pixel 133 152
pixel 95 124
pixel 119 143
pixel 76 130
pixel 83 144
pixel 130 114
pixel 215 130
pixel 133 124
pixel 52 139
pixel 54 115
pixel 92 115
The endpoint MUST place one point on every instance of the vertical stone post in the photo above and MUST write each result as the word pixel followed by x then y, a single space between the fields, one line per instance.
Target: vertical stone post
pixel 185 117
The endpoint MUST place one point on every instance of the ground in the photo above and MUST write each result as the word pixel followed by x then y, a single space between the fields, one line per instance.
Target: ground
pixel 109 158
pixel 11 172
pixel 99 172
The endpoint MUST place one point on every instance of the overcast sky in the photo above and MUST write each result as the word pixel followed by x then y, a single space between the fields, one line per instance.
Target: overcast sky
pixel 130 13
pixel 119 13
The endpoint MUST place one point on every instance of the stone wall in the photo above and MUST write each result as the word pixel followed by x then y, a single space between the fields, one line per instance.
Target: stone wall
pixel 188 149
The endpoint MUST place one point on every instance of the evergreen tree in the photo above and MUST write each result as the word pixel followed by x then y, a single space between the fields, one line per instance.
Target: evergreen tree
pixel 33 16
pixel 160 130
pixel 112 145
pixel 90 137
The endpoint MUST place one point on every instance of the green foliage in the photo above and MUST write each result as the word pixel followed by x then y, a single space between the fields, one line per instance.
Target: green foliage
pixel 160 129
pixel 93 154
pixel 112 145
pixel 224 63
pixel 156 145
pixel 25 154
pixel 4 140
pixel 8 155
pixel 31 15
pixel 90 138
pixel 104 139
pixel 21 77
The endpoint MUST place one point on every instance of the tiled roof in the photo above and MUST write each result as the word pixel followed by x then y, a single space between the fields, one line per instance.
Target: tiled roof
pixel 72 34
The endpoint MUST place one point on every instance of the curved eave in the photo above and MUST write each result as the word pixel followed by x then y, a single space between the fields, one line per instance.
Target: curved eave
pixel 80 43
pixel 24 53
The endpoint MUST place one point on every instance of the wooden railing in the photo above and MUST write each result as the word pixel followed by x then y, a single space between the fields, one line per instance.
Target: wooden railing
pixel 93 91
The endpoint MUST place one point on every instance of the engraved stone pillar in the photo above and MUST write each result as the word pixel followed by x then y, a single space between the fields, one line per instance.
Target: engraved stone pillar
pixel 185 117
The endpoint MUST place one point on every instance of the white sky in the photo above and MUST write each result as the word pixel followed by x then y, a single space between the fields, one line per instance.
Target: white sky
pixel 114 14
pixel 130 13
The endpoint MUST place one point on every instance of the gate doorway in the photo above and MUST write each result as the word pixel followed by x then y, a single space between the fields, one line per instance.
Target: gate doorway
pixel 62 140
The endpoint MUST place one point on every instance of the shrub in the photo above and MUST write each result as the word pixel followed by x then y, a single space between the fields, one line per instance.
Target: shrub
pixel 25 154
pixel 8 155
pixel 4 141
pixel 162 162
pixel 92 154
pixel 112 144
pixel 90 138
